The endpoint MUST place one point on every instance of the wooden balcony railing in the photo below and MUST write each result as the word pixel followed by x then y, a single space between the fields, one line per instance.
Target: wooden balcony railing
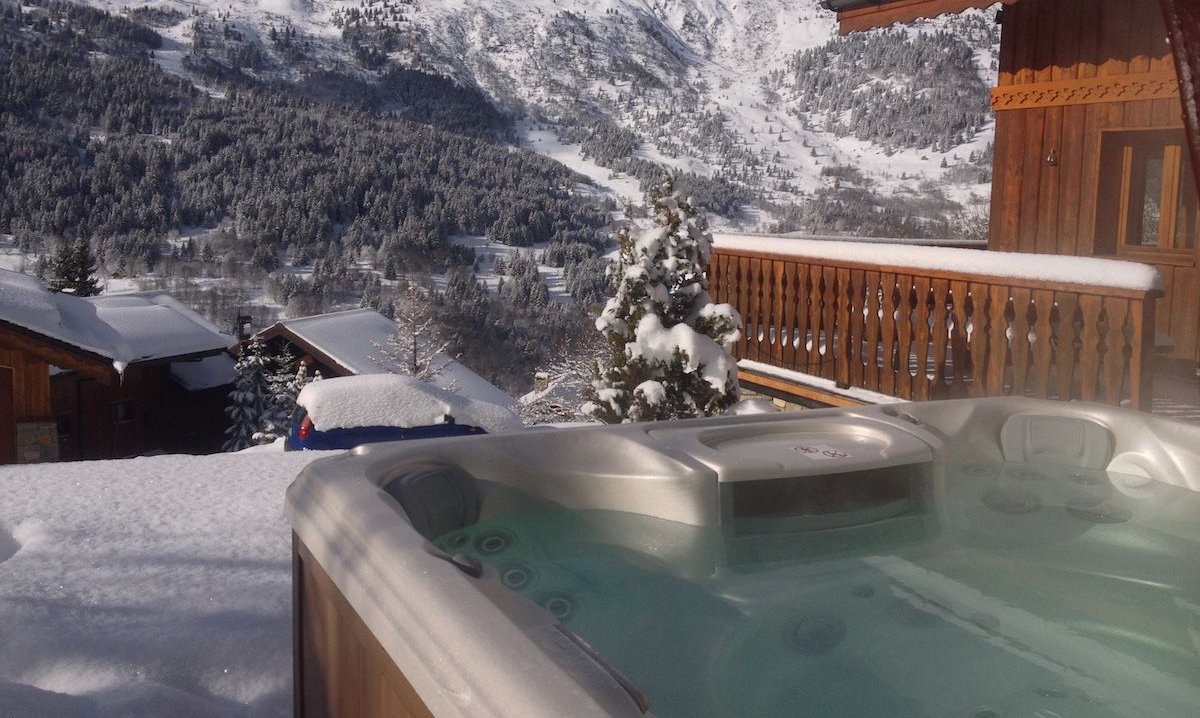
pixel 930 334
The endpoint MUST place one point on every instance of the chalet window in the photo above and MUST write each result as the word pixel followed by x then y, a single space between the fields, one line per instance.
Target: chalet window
pixel 1147 199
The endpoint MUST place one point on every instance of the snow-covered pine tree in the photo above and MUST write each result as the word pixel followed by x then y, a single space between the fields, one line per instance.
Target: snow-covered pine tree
pixel 417 348
pixel 668 343
pixel 285 378
pixel 249 398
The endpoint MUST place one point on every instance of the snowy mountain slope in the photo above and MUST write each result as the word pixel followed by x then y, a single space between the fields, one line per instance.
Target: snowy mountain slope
pixel 699 85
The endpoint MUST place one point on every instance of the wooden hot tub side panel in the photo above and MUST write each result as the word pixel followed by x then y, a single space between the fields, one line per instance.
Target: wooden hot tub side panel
pixel 340 669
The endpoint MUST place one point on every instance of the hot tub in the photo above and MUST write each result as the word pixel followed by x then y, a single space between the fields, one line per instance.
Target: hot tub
pixel 974 558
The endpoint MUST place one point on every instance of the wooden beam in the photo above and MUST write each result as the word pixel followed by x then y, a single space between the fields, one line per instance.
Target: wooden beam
pixel 791 389
pixel 885 12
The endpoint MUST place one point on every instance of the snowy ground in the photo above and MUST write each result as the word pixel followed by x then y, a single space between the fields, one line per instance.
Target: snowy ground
pixel 149 587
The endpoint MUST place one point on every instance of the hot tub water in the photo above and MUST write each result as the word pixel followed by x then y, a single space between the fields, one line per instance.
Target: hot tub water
pixel 1024 590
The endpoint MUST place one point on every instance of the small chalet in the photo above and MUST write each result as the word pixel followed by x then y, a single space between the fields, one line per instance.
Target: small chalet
pixel 106 377
pixel 348 343
pixel 1097 142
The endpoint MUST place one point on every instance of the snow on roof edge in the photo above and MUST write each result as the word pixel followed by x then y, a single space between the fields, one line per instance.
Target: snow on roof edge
pixel 1113 273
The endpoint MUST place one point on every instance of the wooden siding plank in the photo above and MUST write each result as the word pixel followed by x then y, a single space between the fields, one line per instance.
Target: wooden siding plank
pixel 1026 41
pixel 1047 239
pixel 1044 39
pixel 1031 189
pixel 1066 41
pixel 1089 37
pixel 1116 17
pixel 1070 177
pixel 1008 173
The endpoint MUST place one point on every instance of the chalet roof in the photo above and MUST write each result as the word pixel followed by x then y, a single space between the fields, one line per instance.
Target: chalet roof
pixel 854 15
pixel 350 340
pixel 124 329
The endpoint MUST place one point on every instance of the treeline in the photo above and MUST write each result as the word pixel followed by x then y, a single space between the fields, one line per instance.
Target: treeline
pixel 115 149
pixel 614 147
pixel 503 341
pixel 894 88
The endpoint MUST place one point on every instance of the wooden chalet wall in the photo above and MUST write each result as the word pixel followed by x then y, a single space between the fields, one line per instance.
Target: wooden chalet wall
pixel 146 411
pixel 24 396
pixel 1070 72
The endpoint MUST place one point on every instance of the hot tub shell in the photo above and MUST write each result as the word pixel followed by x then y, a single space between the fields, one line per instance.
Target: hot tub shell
pixel 388 625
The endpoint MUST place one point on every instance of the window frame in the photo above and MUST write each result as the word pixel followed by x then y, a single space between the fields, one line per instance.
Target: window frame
pixel 1122 154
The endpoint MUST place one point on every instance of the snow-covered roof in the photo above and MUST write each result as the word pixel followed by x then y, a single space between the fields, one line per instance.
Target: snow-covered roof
pixel 395 400
pixel 207 373
pixel 155 325
pixel 124 328
pixel 351 338
pixel 1112 273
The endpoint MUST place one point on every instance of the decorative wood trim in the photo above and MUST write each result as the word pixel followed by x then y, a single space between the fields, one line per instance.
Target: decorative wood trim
pixel 1092 90
pixel 883 13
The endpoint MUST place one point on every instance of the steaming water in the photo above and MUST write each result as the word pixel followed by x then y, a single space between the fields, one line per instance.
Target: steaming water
pixel 1010 590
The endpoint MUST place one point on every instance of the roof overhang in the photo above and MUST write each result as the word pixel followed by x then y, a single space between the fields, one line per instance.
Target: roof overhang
pixel 856 15
pixel 58 353
pixel 279 330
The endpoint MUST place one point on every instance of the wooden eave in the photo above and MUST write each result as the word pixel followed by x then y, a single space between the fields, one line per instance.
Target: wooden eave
pixel 278 330
pixel 59 353
pixel 856 15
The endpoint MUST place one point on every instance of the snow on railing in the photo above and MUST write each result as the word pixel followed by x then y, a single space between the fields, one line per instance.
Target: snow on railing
pixel 1033 267
pixel 926 323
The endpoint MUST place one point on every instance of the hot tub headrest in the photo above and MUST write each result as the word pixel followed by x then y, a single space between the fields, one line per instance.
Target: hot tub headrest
pixel 1056 440
pixel 437 498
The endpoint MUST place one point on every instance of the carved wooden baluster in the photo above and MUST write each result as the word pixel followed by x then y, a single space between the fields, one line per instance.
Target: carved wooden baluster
pixel 1043 344
pixel 891 301
pixel 904 336
pixel 1090 346
pixel 960 357
pixel 998 325
pixel 1018 342
pixel 872 351
pixel 940 338
pixel 1067 343
pixel 857 291
pixel 1115 346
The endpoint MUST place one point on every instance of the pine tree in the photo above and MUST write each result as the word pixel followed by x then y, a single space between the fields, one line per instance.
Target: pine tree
pixel 249 397
pixel 668 344
pixel 73 266
pixel 284 380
